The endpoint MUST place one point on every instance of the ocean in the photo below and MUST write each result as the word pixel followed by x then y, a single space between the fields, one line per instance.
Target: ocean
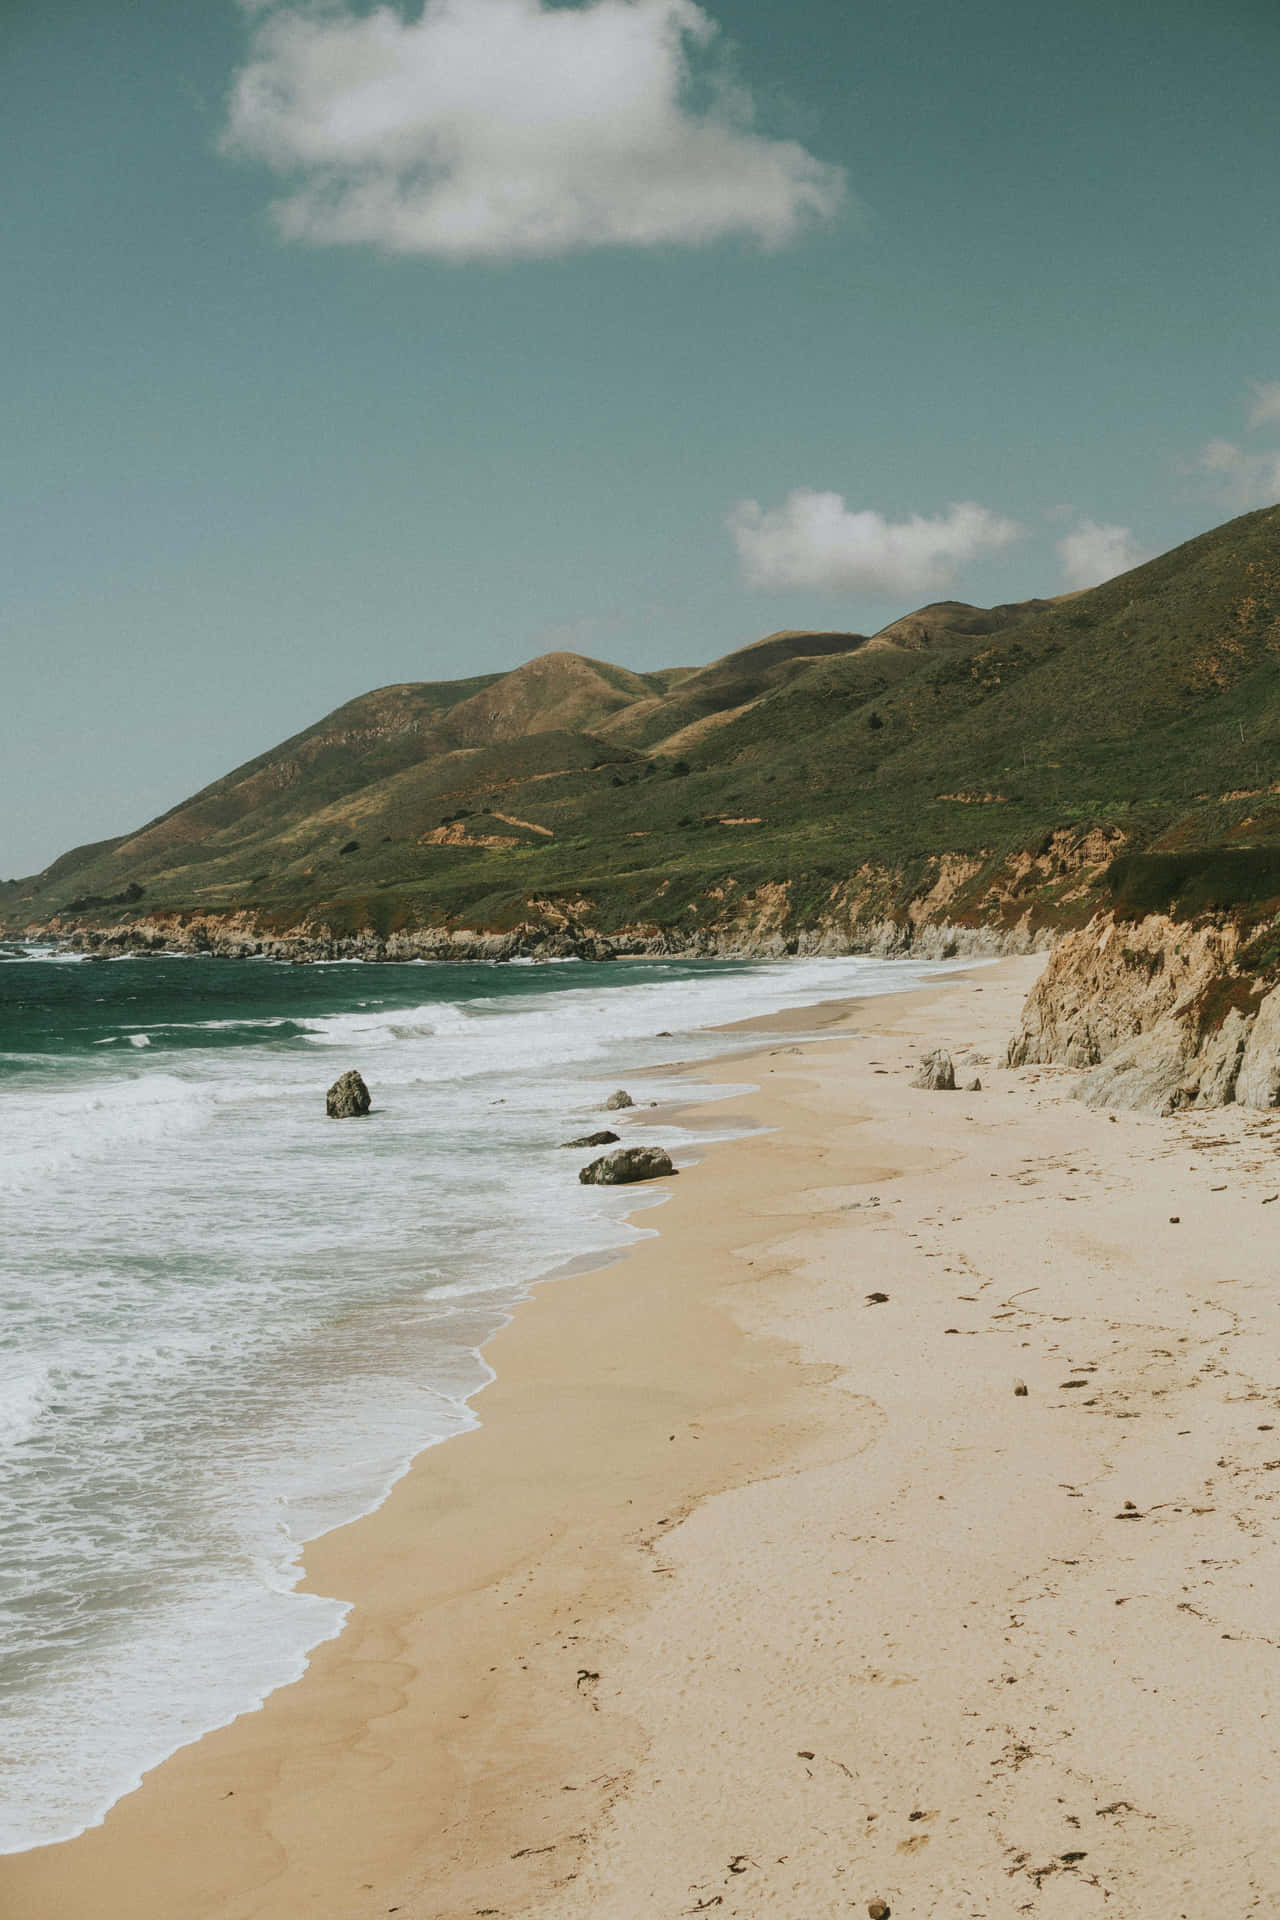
pixel 227 1323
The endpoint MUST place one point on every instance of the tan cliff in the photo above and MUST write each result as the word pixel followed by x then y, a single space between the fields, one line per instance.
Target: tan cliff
pixel 1161 1013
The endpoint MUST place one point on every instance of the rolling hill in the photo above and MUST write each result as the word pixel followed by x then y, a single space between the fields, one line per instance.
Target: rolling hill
pixel 979 766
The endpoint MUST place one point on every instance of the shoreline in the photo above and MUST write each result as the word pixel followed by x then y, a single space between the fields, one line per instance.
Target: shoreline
pixel 673 1593
pixel 233 1670
pixel 754 1030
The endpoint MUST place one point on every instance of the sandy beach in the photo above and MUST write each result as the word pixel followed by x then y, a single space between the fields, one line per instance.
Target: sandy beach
pixel 901 1523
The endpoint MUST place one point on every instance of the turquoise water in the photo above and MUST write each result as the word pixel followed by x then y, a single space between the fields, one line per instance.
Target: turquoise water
pixel 227 1323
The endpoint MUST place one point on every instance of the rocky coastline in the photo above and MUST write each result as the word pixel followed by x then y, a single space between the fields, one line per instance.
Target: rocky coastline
pixel 1156 1014
pixel 238 937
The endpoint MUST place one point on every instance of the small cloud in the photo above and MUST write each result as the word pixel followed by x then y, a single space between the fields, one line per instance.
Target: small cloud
pixel 814 541
pixel 1091 553
pixel 510 129
pixel 1243 479
pixel 1265 410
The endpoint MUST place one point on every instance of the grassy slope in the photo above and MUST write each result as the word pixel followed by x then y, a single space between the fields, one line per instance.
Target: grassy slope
pixel 1151 704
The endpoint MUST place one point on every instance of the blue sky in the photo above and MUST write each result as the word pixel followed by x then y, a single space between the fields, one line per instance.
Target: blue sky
pixel 349 345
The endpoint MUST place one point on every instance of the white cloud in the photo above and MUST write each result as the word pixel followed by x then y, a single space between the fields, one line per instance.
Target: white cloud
pixel 1242 479
pixel 814 541
pixel 1266 403
pixel 501 129
pixel 1091 553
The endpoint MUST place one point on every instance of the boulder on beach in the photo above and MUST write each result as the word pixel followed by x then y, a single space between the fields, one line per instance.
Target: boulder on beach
pixel 348 1097
pixel 627 1164
pixel 619 1099
pixel 936 1072
pixel 602 1139
pixel 973 1086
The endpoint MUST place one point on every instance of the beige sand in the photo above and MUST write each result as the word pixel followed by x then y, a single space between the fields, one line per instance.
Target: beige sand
pixel 753 1597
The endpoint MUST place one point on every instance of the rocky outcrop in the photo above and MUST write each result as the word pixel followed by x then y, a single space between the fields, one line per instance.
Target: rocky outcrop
pixel 618 1100
pixel 941 907
pixel 1159 1013
pixel 348 1097
pixel 240 937
pixel 628 1164
pixel 936 1072
pixel 603 1139
pixel 1112 981
pixel 1258 1075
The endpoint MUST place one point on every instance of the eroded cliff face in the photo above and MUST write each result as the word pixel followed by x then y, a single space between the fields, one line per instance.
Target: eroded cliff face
pixel 984 904
pixel 758 935
pixel 1160 1014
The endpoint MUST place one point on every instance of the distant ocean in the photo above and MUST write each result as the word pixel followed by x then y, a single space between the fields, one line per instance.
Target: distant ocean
pixel 227 1323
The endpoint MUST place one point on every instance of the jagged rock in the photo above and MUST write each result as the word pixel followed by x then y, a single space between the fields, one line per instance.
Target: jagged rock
pixel 1171 1067
pixel 627 1164
pixel 1020 1389
pixel 602 1139
pixel 973 1086
pixel 1258 1080
pixel 1146 1074
pixel 619 1099
pixel 1217 1064
pixel 936 1072
pixel 348 1097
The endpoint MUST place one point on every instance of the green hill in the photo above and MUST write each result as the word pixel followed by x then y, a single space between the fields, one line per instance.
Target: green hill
pixel 972 764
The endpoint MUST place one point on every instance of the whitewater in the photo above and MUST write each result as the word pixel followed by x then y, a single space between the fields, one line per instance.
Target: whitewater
pixel 227 1324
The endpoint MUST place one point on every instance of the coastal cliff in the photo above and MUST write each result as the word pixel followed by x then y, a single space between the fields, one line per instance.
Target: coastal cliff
pixel 938 908
pixel 236 937
pixel 1162 1013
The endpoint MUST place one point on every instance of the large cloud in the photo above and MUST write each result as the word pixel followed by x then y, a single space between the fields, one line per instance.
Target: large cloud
pixel 814 541
pixel 498 129
pixel 1092 553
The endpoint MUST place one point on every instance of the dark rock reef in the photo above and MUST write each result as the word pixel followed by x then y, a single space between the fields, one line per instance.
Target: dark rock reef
pixel 348 1097
pixel 627 1164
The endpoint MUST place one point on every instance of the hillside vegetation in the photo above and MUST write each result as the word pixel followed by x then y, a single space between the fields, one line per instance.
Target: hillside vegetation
pixel 978 765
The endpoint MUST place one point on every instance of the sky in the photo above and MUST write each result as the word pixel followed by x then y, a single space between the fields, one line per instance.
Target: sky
pixel 347 344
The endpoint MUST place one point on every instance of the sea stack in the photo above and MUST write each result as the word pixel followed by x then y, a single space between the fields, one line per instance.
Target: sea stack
pixel 348 1097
